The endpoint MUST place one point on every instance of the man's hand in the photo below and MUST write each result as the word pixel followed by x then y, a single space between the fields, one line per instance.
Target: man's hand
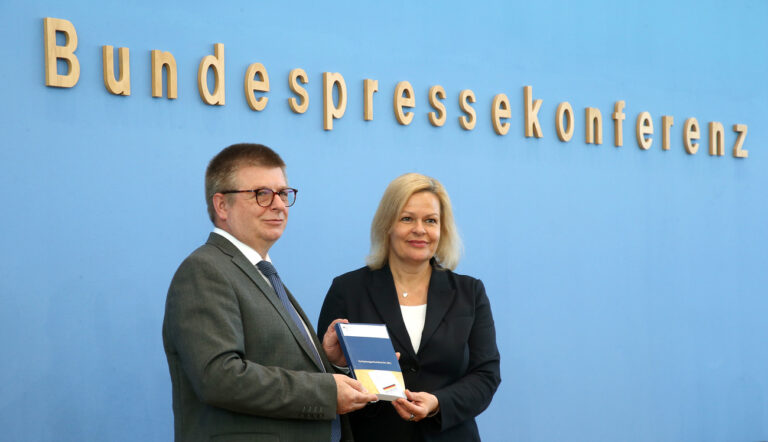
pixel 418 406
pixel 331 345
pixel 350 394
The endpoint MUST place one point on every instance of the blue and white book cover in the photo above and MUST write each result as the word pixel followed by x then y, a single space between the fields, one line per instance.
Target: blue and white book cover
pixel 372 359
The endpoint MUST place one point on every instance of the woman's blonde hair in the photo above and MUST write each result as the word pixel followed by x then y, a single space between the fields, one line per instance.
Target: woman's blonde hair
pixel 392 202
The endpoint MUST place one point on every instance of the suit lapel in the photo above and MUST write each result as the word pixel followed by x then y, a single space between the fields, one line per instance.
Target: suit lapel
pixel 268 292
pixel 384 298
pixel 439 299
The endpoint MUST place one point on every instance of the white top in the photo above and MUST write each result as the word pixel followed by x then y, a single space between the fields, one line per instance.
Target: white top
pixel 414 316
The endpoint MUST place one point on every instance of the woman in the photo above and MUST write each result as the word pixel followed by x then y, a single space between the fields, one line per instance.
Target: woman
pixel 440 322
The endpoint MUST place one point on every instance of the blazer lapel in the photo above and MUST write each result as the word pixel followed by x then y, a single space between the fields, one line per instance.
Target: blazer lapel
pixel 250 270
pixel 384 298
pixel 439 299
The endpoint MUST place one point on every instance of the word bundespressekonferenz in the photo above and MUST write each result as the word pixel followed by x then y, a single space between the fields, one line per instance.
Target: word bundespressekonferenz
pixel 256 81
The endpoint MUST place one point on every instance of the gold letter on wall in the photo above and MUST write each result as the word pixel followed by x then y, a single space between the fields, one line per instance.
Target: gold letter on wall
pixel 403 97
pixel 666 124
pixel 738 151
pixel 465 97
pixel 644 127
pixel 531 108
pixel 594 126
pixel 261 85
pixel 121 86
pixel 369 87
pixel 162 59
pixel 437 93
pixel 331 111
pixel 54 52
pixel 294 77
pixel 500 109
pixel 716 138
pixel 690 133
pixel 564 109
pixel 217 63
pixel 618 119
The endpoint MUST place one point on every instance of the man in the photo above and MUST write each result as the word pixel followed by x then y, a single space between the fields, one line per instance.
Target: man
pixel 245 363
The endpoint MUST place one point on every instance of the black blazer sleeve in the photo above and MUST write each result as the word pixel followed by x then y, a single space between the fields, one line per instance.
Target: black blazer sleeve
pixel 469 395
pixel 334 307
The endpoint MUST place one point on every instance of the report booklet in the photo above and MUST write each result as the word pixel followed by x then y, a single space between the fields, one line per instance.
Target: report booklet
pixel 371 358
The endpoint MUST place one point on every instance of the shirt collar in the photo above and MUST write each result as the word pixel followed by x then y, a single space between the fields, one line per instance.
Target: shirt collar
pixel 250 254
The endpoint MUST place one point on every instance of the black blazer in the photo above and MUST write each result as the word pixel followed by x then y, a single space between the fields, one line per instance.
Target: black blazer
pixel 457 359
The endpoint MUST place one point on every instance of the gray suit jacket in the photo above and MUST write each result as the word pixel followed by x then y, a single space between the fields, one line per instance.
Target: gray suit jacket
pixel 240 368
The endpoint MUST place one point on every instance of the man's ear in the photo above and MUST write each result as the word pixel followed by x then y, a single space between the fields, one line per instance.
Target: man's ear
pixel 221 206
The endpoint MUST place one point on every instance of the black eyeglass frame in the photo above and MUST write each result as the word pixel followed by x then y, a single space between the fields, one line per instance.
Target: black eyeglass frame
pixel 255 193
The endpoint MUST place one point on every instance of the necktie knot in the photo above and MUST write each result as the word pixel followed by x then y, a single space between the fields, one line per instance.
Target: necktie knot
pixel 266 268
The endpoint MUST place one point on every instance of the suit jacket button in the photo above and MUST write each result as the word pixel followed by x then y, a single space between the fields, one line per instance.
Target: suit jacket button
pixel 413 369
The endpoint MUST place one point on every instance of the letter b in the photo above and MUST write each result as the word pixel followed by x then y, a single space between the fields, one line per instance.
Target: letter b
pixel 53 53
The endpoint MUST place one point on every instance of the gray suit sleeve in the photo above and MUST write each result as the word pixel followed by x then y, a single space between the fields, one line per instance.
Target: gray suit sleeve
pixel 223 356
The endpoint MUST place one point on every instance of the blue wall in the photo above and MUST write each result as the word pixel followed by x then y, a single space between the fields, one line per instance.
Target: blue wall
pixel 628 286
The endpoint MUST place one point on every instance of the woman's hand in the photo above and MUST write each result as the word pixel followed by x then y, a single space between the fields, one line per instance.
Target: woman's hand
pixel 418 406
pixel 331 345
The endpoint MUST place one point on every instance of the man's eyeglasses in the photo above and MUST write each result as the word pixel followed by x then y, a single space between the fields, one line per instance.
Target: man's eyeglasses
pixel 265 196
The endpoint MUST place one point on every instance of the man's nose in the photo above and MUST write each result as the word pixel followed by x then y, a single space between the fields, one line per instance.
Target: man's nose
pixel 277 203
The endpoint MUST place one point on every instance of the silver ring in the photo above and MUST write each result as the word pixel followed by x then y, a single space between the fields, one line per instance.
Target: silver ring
pixel 410 419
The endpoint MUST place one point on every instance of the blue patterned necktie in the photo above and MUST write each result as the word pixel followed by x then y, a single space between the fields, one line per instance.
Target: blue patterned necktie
pixel 268 270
